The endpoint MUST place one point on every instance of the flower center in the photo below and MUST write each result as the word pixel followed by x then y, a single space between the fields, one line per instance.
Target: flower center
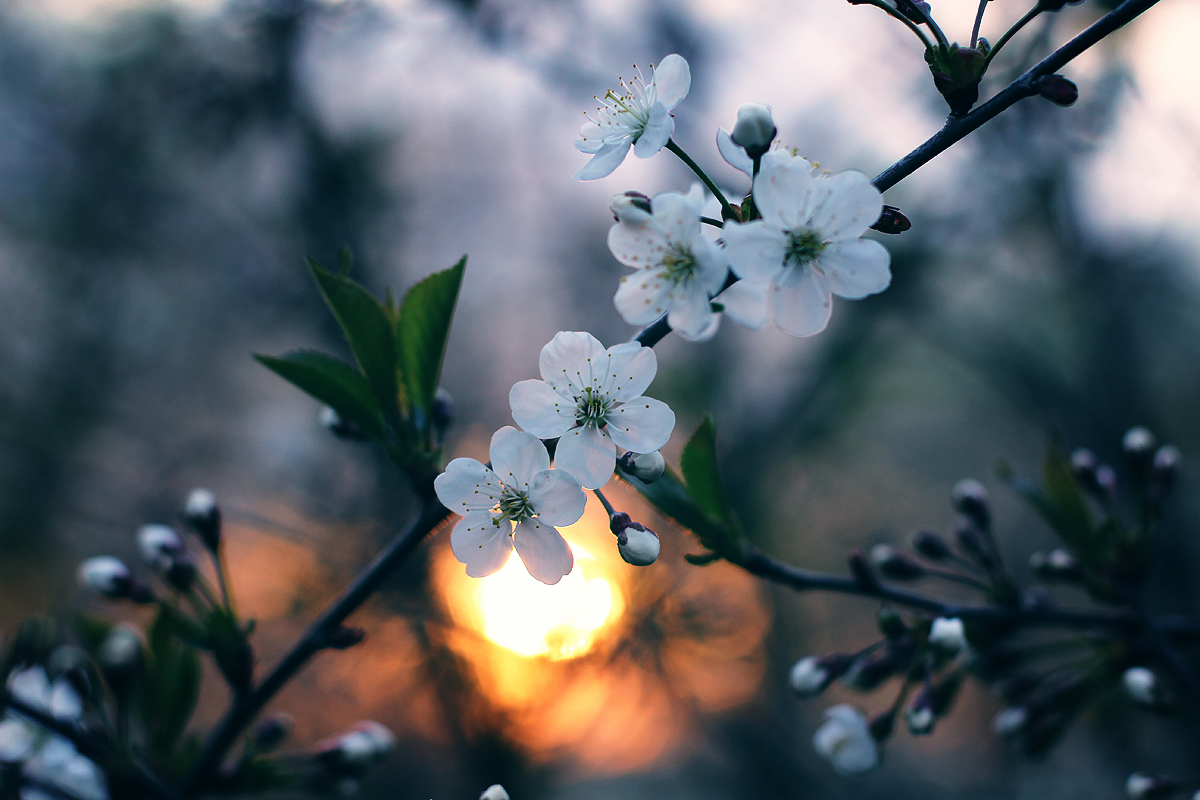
pixel 680 262
pixel 593 408
pixel 514 505
pixel 803 247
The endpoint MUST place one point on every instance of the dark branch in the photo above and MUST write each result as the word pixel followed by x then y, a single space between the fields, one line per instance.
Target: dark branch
pixel 957 128
pixel 247 707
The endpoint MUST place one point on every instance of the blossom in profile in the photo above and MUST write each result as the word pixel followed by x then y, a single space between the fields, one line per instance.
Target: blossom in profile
pixel 807 246
pixel 677 268
pixel 846 740
pixel 637 116
pixel 591 400
pixel 516 503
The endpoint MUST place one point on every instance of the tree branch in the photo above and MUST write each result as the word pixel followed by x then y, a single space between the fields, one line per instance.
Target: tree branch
pixel 247 707
pixel 957 128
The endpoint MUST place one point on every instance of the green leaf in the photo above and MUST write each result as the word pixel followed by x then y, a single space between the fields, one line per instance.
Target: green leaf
pixel 345 260
pixel 172 683
pixel 699 464
pixel 334 383
pixel 1061 503
pixel 422 331
pixel 368 330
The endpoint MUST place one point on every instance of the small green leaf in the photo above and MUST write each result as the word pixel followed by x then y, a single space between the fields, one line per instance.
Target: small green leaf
pixel 345 261
pixel 334 383
pixel 172 684
pixel 422 331
pixel 1061 503
pixel 368 330
pixel 699 464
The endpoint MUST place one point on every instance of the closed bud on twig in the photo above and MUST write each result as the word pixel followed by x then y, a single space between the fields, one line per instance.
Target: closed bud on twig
pixel 890 623
pixel 273 731
pixel 891 220
pixel 754 130
pixel 1057 89
pixel 341 427
pixel 1058 564
pixel 637 544
pixel 919 716
pixel 973 542
pixel 358 749
pixel 1106 482
pixel 860 569
pixel 494 792
pixel 970 499
pixel 343 637
pixel 1168 462
pixel 913 9
pixel 1143 687
pixel 630 207
pixel 160 545
pixel 1010 722
pixel 443 411
pixel 812 675
pixel 932 546
pixel 646 467
pixel 1144 786
pixel 1083 464
pixel 108 576
pixel 1138 444
pixel 895 564
pixel 120 656
pixel 948 635
pixel 203 514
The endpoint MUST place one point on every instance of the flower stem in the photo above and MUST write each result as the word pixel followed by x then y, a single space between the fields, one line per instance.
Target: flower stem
pixel 716 223
pixel 907 22
pixel 604 502
pixel 1008 34
pixel 703 176
pixel 978 22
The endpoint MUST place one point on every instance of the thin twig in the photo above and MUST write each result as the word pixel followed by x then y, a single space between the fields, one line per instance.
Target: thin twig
pixel 703 176
pixel 762 565
pixel 247 707
pixel 958 127
pixel 978 22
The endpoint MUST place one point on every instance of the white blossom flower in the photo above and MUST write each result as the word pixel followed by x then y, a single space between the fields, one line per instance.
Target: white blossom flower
pixel 520 489
pixel 638 116
pixel 678 267
pixel 806 247
pixel 948 634
pixel 1142 686
pixel 846 740
pixel 60 766
pixel 591 398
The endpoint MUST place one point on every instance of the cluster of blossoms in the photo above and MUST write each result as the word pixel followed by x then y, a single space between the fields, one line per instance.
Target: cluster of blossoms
pixel 591 401
pixel 780 256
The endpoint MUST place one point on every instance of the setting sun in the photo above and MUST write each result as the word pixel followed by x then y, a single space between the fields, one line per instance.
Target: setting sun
pixel 532 619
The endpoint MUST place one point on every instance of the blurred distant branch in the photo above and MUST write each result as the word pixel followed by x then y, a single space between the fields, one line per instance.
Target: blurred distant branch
pixel 315 639
pixel 764 566
pixel 957 128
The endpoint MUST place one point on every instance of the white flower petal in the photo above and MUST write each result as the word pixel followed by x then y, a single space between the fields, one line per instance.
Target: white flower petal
pixel 606 159
pixel 746 303
pixel 467 485
pixel 570 362
pixel 735 156
pixel 672 80
pixel 31 687
pixel 691 315
pixel 659 127
pixel 544 551
pixel 65 702
pixel 591 138
pixel 557 497
pixel 784 190
pixel 696 197
pixel 631 369
pixel 481 544
pixel 712 266
pixel 637 245
pixel 539 409
pixel 642 425
pixel 754 249
pixel 676 217
pixel 845 739
pixel 17 740
pixel 709 331
pixel 641 297
pixel 847 204
pixel 855 268
pixel 588 455
pixel 799 304
pixel 517 457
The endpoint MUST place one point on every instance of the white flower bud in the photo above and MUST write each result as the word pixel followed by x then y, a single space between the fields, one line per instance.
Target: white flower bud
pixel 1143 786
pixel 919 718
pixel 638 545
pixel 1010 722
pixel 754 130
pixel 948 634
pixel 107 575
pixel 1138 441
pixel 846 740
pixel 494 792
pixel 121 650
pixel 159 544
pixel 646 467
pixel 358 749
pixel 1142 686
pixel 809 677
pixel 632 208
pixel 203 514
